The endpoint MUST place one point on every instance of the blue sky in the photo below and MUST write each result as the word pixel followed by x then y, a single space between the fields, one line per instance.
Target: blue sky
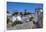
pixel 19 6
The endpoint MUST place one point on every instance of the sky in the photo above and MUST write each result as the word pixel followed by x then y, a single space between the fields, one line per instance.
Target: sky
pixel 19 6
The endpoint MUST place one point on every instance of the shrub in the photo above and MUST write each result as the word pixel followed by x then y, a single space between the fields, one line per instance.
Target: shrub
pixel 31 18
pixel 16 22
